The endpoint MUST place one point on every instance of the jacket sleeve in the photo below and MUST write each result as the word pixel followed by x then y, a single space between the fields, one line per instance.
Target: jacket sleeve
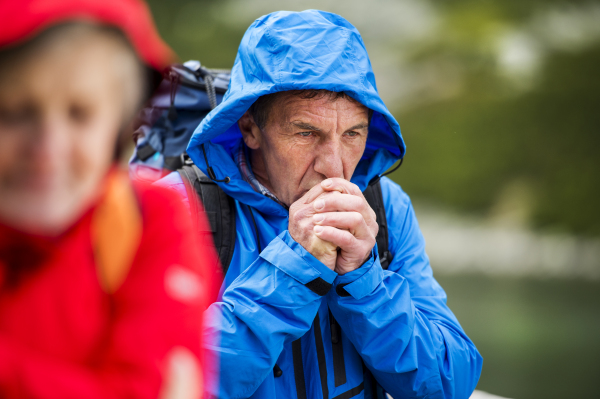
pixel 398 319
pixel 273 302
pixel 151 343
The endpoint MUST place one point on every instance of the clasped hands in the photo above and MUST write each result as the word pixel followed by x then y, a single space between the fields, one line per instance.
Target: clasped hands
pixel 334 222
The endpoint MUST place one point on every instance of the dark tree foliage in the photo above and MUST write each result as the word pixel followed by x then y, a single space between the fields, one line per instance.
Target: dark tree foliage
pixel 465 150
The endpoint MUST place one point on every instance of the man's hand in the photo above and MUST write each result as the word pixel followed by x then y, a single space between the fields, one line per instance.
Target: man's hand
pixel 343 218
pixel 301 227
pixel 334 222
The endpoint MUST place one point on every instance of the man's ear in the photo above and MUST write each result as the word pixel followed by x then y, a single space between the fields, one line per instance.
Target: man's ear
pixel 250 131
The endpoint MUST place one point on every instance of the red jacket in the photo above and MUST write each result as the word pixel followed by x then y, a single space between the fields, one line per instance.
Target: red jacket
pixel 73 326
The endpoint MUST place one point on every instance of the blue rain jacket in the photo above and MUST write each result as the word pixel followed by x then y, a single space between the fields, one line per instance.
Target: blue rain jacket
pixel 395 324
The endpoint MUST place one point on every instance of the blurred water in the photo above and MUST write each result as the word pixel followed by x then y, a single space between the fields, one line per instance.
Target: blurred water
pixel 458 244
pixel 538 337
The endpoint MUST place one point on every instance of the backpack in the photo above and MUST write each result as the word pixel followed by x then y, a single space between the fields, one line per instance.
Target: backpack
pixel 165 125
pixel 184 97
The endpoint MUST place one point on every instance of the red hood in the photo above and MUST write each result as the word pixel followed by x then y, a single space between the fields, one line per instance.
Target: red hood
pixel 22 19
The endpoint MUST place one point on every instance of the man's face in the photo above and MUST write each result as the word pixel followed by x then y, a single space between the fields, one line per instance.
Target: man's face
pixel 306 141
pixel 60 113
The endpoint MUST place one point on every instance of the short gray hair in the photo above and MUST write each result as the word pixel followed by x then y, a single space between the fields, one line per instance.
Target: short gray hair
pixel 262 107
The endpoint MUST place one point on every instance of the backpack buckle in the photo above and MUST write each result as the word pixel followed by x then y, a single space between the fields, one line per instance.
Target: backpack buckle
pixel 185 159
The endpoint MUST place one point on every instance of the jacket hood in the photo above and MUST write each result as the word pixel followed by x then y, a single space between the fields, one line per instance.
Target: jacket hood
pixel 23 19
pixel 285 51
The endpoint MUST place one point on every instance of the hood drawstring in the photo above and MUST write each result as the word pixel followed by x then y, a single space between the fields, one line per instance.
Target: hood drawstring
pixel 395 169
pixel 210 171
pixel 378 177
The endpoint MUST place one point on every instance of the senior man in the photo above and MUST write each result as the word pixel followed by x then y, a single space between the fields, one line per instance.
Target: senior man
pixel 307 311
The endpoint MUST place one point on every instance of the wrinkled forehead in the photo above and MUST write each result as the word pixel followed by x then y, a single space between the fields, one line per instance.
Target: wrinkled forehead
pixel 322 101
pixel 304 105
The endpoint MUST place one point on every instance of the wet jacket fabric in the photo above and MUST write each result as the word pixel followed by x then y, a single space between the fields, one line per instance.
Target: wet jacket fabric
pixel 78 324
pixel 277 299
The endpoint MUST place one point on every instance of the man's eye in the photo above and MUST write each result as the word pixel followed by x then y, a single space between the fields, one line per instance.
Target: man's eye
pixel 305 134
pixel 352 134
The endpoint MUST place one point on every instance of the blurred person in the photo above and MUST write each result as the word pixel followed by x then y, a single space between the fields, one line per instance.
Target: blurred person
pixel 310 306
pixel 102 284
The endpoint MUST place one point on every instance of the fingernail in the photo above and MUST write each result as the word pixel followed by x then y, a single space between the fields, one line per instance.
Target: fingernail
pixel 326 183
pixel 318 218
pixel 319 204
pixel 318 229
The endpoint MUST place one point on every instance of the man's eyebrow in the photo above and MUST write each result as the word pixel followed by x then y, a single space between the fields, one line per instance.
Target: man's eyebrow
pixel 359 126
pixel 305 126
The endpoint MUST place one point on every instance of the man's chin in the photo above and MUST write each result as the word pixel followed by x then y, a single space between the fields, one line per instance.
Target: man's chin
pixel 297 197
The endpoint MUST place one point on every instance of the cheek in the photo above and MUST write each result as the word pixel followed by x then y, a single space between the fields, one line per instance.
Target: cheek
pixel 93 148
pixel 297 161
pixel 15 154
pixel 10 154
pixel 12 165
pixel 351 157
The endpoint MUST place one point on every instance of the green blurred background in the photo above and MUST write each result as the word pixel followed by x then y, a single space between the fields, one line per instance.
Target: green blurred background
pixel 498 102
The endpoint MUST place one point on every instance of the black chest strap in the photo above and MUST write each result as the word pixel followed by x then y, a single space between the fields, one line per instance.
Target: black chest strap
pixel 219 209
pixel 374 197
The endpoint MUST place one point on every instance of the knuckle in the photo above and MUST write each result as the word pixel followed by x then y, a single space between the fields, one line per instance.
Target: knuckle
pixel 332 232
pixel 372 241
pixel 346 239
pixel 375 230
pixel 294 217
pixel 297 217
pixel 364 205
pixel 371 214
pixel 360 202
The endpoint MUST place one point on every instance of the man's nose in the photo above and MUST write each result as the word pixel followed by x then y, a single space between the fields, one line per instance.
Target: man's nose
pixel 328 160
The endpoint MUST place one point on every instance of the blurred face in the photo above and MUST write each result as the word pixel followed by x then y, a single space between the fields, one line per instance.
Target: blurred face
pixel 306 141
pixel 61 110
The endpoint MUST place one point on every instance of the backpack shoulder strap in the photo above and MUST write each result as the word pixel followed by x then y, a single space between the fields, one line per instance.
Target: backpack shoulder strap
pixel 219 209
pixel 374 197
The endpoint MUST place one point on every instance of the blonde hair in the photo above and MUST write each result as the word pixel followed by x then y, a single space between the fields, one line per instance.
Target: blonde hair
pixel 125 62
